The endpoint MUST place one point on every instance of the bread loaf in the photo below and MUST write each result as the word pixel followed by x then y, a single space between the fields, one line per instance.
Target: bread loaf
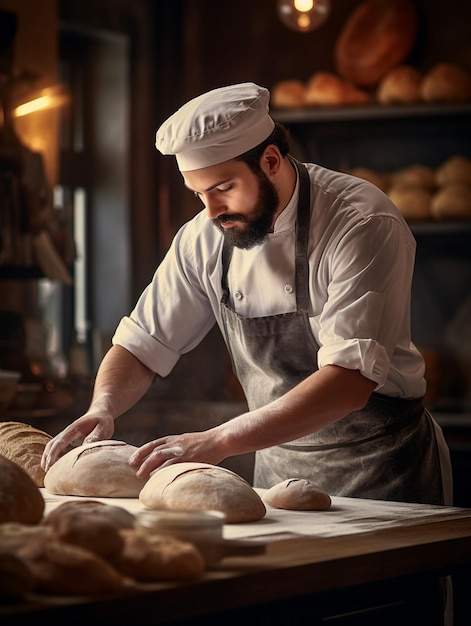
pixel 152 558
pixel 401 85
pixel 199 486
pixel 288 94
pixel 415 175
pixel 380 179
pixel 24 445
pixel 62 568
pixel 456 169
pixel 297 494
pixel 91 525
pixel 452 202
pixel 378 35
pixel 414 203
pixel 95 470
pixel 446 82
pixel 20 499
pixel 327 89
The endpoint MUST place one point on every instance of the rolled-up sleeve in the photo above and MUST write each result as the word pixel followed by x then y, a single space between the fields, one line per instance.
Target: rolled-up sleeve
pixel 367 311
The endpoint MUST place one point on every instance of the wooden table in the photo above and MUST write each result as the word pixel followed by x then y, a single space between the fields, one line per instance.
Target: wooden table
pixel 362 562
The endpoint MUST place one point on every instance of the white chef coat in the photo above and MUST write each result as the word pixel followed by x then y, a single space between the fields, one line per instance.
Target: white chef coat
pixel 361 260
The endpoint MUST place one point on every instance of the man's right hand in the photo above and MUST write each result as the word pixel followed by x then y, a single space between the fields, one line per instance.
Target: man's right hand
pixel 85 429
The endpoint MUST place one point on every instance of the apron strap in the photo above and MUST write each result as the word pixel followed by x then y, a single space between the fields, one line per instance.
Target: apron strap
pixel 302 238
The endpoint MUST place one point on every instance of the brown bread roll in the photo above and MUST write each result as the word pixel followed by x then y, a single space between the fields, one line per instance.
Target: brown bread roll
pixel 66 569
pixel 452 202
pixel 95 470
pixel 446 82
pixel 327 89
pixel 297 494
pixel 415 175
pixel 401 85
pixel 199 486
pixel 378 35
pixel 20 499
pixel 153 558
pixel 288 94
pixel 415 203
pixel 24 445
pixel 13 535
pixel 456 169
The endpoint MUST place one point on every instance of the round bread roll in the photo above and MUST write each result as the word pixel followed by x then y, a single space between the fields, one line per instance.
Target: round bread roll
pixel 95 470
pixel 446 82
pixel 378 35
pixel 456 169
pixel 153 558
pixel 452 202
pixel 413 202
pixel 24 445
pixel 20 499
pixel 13 535
pixel 200 486
pixel 66 569
pixel 327 89
pixel 380 179
pixel 90 524
pixel 401 85
pixel 297 494
pixel 414 176
pixel 288 94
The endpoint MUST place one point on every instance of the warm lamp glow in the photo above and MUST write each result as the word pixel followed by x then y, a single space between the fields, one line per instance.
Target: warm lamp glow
pixel 48 98
pixel 303 15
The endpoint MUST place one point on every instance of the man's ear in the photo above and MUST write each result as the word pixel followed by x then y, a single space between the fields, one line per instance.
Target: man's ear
pixel 271 160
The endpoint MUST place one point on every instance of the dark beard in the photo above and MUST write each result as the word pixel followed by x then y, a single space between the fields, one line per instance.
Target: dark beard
pixel 260 221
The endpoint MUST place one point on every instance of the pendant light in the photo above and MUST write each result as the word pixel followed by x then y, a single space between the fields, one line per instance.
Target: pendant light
pixel 303 16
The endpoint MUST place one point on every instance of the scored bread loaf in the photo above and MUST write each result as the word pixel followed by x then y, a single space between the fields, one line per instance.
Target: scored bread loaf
pixel 199 486
pixel 24 445
pixel 297 494
pixel 95 470
pixel 20 499
pixel 446 82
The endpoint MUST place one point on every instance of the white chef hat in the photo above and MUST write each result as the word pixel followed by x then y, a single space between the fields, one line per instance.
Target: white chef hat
pixel 217 126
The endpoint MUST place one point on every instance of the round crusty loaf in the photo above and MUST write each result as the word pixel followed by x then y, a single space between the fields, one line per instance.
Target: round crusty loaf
pixel 328 89
pixel 24 445
pixel 415 175
pixel 20 499
pixel 95 470
pixel 199 486
pixel 446 82
pixel 455 170
pixel 413 202
pixel 401 85
pixel 297 494
pixel 452 202
pixel 288 94
pixel 378 35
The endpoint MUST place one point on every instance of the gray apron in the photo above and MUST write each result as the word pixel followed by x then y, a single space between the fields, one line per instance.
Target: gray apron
pixel 390 450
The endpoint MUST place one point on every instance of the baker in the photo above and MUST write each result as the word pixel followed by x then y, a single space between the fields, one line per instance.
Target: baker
pixel 307 272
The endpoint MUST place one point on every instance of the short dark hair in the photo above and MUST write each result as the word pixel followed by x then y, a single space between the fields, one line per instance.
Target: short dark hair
pixel 280 137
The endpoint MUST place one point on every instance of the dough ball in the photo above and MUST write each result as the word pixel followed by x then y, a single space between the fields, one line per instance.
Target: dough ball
pixel 297 494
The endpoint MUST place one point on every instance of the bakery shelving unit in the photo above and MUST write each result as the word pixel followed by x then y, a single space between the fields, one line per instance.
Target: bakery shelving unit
pixel 385 139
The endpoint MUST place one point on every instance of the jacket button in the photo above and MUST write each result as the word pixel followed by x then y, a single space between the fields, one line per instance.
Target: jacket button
pixel 238 295
pixel 289 288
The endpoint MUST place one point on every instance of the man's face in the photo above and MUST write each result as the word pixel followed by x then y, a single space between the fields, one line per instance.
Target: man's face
pixel 241 204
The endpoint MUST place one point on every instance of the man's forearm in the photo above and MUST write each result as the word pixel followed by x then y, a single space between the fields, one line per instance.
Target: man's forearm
pixel 121 381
